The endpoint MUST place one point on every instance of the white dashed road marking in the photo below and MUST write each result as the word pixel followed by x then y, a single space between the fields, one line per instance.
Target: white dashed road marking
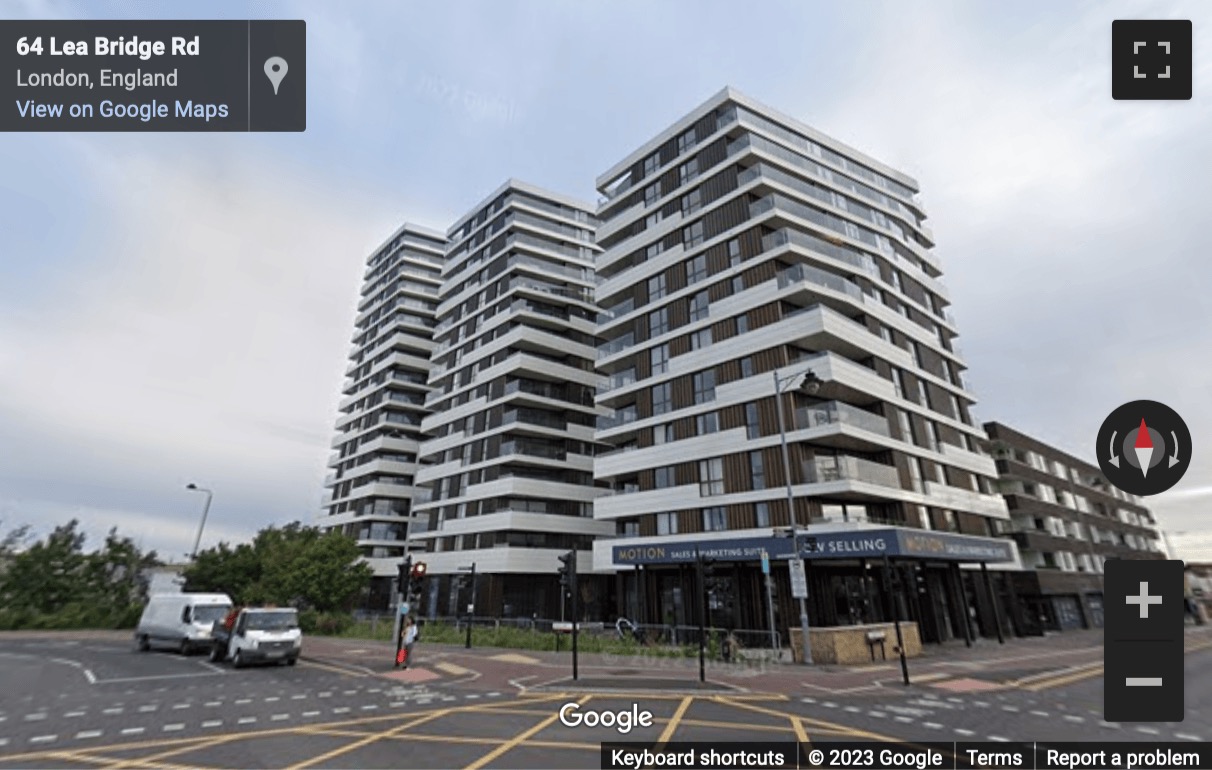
pixel 1070 717
pixel 216 703
pixel 1037 713
pixel 931 725
pixel 876 714
pixel 94 733
pixel 275 698
pixel 146 709
pixel 1180 736
pixel 81 713
pixel 1011 709
pixel 345 709
pixel 179 706
pixel 178 726
pixel 317 713
pixel 1145 730
pixel 906 720
pixel 372 707
pixel 119 711
pixel 47 738
pixel 959 730
pixel 997 738
pixel 301 697
pixel 280 717
pixel 137 730
pixel 250 720
pixel 219 722
pixel 39 717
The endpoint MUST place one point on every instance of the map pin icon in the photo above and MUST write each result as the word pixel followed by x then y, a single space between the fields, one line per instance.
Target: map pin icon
pixel 275 70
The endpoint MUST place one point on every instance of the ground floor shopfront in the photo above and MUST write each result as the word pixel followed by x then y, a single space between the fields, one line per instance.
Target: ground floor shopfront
pixel 939 580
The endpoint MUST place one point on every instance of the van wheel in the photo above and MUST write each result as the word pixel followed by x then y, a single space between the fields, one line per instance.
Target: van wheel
pixel 291 661
pixel 216 653
pixel 143 644
pixel 184 647
pixel 238 659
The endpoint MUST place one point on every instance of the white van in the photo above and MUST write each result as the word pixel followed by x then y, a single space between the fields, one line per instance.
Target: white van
pixel 183 621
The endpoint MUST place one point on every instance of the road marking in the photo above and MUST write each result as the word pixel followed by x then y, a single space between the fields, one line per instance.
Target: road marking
pixel 179 706
pixel 1040 713
pixel 345 709
pixel 1109 725
pixel 113 711
pixel 45 738
pixel 41 716
pixel 173 727
pixel 372 707
pixel 246 720
pixel 1011 709
pixel 380 689
pixel 981 704
pixel 279 717
pixel 88 734
pixel 132 730
pixel 876 714
pixel 1147 730
pixel 473 696
pixel 3 741
pixel 902 719
pixel 452 669
pixel 932 725
pixel 828 704
pixel 74 714
pixel 1073 718
pixel 212 723
pixel 243 701
pixel 298 697
pixel 808 700
pixel 963 731
pixel 1181 736
pixel 851 709
pixel 495 694
pixel 272 699
pixel 326 694
pixel 394 705
pixel 146 709
pixel 213 703
pixel 350 692
pixel 999 739
pixel 311 713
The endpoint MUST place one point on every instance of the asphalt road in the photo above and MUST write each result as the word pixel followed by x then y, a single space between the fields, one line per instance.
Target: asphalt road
pixel 89 703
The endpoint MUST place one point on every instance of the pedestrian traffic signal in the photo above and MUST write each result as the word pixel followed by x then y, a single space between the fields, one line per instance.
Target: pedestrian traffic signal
pixel 416 581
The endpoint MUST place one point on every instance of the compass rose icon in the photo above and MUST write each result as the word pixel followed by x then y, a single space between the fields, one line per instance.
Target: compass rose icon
pixel 1144 447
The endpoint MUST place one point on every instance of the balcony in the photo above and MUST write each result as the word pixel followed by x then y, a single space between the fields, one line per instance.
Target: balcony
pixel 608 349
pixel 822 470
pixel 837 412
pixel 619 417
pixel 814 275
pixel 857 259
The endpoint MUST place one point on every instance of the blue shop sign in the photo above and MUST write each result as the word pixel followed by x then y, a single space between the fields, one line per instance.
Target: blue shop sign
pixel 854 544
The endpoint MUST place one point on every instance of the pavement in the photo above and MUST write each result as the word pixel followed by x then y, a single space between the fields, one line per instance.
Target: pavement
pixel 88 699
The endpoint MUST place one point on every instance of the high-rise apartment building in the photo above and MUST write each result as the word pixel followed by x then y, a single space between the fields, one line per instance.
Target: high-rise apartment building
pixel 1067 520
pixel 372 492
pixel 745 254
pixel 511 425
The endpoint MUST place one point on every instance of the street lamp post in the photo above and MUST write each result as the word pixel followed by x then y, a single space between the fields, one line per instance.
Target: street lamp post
pixel 202 525
pixel 810 385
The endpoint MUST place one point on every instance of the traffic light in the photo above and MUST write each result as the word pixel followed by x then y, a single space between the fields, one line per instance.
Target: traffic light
pixel 568 572
pixel 405 568
pixel 416 582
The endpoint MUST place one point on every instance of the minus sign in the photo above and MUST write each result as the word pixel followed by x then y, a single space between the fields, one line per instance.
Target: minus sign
pixel 1143 681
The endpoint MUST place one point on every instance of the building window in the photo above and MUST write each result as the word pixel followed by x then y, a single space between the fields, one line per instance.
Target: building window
pixel 746 367
pixel 685 141
pixel 696 269
pixel 711 477
pixel 955 408
pixel 932 435
pixel 654 250
pixel 663 477
pixel 923 394
pixel 662 434
pixel 734 252
pixel 700 339
pixel 885 333
pixel 651 193
pixel 707 423
pixel 698 306
pixel 917 353
pixel 667 523
pixel 692 236
pixel 915 473
pixel 908 432
pixel 761 514
pixel 662 398
pixel 652 220
pixel 658 322
pixel 659 357
pixel 742 324
pixel 753 428
pixel 738 284
pixel 757 470
pixel 714 520
pixel 656 287
pixel 688 171
pixel 651 164
pixel 897 383
pixel 691 202
pixel 704 386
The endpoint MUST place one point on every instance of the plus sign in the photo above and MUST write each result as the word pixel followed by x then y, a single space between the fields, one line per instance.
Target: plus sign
pixel 1144 600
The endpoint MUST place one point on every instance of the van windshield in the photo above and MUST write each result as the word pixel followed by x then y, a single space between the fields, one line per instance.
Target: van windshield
pixel 209 613
pixel 277 620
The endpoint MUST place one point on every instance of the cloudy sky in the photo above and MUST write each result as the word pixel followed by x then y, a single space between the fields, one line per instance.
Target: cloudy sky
pixel 177 308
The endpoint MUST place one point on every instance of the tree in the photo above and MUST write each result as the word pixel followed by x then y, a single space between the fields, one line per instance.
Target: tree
pixel 293 564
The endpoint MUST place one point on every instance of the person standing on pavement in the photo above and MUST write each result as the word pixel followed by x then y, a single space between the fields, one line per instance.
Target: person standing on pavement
pixel 409 636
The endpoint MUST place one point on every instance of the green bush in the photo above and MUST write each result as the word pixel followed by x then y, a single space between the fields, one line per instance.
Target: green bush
pixel 324 623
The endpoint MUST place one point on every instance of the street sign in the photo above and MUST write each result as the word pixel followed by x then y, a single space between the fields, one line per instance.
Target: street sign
pixel 471 608
pixel 765 563
pixel 404 608
pixel 799 581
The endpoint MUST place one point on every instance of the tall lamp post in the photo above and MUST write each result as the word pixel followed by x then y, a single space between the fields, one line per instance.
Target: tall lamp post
pixel 811 385
pixel 201 526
